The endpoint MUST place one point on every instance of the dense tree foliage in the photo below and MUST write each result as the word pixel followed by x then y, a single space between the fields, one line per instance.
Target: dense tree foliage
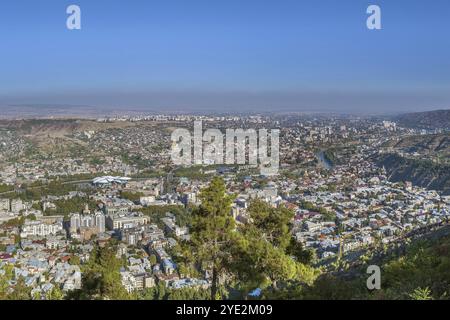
pixel 261 256
pixel 302 255
pixel 156 213
pixel 76 204
pixel 16 222
pixel 212 230
pixel 420 274
pixel 6 188
pixel 132 196
pixel 101 277
pixel 272 222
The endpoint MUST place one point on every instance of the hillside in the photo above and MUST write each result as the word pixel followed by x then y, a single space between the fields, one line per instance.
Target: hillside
pixel 419 271
pixel 58 127
pixel 434 146
pixel 439 119
pixel 423 143
pixel 423 173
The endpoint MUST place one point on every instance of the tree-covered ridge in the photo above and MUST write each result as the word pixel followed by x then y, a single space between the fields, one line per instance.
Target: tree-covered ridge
pixel 437 119
pixel 423 173
pixel 420 274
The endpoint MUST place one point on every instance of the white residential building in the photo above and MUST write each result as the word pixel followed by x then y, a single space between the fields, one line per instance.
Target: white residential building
pixel 39 228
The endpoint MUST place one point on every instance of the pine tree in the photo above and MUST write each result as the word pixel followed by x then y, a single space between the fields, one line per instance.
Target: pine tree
pixel 55 294
pixel 212 230
pixel 261 254
pixel 257 263
pixel 272 222
pixel 21 291
pixel 101 279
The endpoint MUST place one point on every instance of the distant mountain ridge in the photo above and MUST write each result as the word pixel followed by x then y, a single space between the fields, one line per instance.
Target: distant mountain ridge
pixel 438 119
pixel 431 144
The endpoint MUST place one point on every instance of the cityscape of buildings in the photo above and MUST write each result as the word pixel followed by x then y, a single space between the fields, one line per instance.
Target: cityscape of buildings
pixel 64 193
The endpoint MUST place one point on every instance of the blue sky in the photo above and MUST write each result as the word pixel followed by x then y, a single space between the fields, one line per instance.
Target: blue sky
pixel 313 55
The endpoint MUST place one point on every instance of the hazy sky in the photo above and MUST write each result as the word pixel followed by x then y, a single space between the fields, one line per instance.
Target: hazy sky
pixel 312 55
